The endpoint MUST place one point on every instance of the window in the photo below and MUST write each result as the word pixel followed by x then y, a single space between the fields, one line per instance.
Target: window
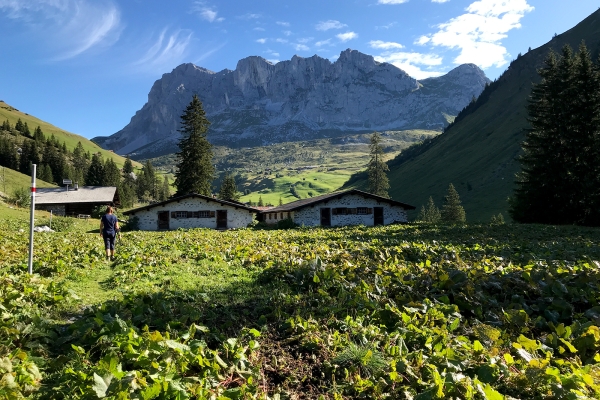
pixel 181 214
pixel 340 211
pixel 202 214
pixel 362 210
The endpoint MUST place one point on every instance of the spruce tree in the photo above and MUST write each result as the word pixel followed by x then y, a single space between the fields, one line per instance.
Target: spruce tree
pixel 38 135
pixel 229 188
pixel 146 182
pixel 45 173
pixel 165 192
pixel 127 166
pixel 112 175
pixel 452 211
pixel 431 213
pixel 377 168
pixel 95 174
pixel 260 202
pixel 80 164
pixel 195 170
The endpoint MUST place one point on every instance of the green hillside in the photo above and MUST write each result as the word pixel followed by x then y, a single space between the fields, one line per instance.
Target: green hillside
pixel 11 180
pixel 7 112
pixel 478 153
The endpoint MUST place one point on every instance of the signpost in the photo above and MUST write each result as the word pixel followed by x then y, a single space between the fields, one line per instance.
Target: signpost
pixel 31 218
pixel 67 182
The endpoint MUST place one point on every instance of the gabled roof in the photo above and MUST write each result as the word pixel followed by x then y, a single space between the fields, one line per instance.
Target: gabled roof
pixel 84 194
pixel 229 203
pixel 299 204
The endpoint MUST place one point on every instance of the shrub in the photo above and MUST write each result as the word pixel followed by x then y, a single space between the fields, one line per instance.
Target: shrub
pixel 60 224
pixel 287 223
pixel 132 224
pixel 20 197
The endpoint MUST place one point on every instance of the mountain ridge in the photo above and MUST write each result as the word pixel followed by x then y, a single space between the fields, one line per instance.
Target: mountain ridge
pixel 302 98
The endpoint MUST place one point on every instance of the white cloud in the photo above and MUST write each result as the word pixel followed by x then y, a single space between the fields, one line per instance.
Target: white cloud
pixel 330 24
pixel 280 40
pixel 283 23
pixel 259 29
pixel 68 27
pixel 305 40
pixel 344 37
pixel 205 12
pixel 440 1
pixel 391 1
pixel 388 26
pixel 322 43
pixel 168 50
pixel 301 47
pixel 478 33
pixel 379 44
pixel 273 60
pixel 261 40
pixel 287 33
pixel 412 63
pixel 249 16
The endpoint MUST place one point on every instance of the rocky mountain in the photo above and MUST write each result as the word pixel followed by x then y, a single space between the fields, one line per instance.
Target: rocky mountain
pixel 300 99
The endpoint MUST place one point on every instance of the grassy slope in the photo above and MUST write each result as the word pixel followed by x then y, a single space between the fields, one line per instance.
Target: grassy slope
pixel 479 151
pixel 11 180
pixel 71 139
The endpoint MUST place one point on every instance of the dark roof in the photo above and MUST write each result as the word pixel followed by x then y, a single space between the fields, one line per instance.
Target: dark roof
pixel 194 195
pixel 298 204
pixel 84 194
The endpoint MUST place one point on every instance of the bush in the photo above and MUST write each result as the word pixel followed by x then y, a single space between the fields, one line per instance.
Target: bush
pixel 60 224
pixel 132 224
pixel 287 223
pixel 20 197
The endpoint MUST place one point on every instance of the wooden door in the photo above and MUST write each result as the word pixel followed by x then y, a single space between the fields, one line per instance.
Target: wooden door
pixel 325 216
pixel 378 216
pixel 163 220
pixel 221 219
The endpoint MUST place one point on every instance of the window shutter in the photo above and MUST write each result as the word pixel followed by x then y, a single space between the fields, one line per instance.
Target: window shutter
pixel 173 214
pixel 212 214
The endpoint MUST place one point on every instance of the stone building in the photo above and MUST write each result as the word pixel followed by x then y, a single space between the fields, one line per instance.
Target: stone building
pixel 350 207
pixel 193 211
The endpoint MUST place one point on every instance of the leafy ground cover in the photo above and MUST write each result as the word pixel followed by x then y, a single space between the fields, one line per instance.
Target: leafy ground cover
pixel 419 312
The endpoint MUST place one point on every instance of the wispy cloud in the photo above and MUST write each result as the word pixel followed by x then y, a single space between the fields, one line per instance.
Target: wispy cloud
pixel 207 13
pixel 417 65
pixel 68 27
pixel 283 23
pixel 305 40
pixel 322 43
pixel 330 24
pixel 167 50
pixel 379 44
pixel 261 40
pixel 249 16
pixel 301 47
pixel 391 1
pixel 388 26
pixel 344 37
pixel 287 33
pixel 280 40
pixel 479 32
pixel 258 29
pixel 440 1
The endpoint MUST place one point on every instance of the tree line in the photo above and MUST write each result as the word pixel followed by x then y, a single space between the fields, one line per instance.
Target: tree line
pixel 560 178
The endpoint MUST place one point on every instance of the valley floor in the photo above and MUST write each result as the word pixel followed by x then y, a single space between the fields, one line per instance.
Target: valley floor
pixel 390 312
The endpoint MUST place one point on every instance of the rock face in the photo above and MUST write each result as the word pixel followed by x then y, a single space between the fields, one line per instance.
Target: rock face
pixel 299 99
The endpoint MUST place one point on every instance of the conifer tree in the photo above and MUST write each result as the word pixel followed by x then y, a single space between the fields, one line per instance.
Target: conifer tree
pixel 111 175
pixel 165 192
pixel 127 166
pixel 195 170
pixel 559 182
pixel 38 135
pixel 229 188
pixel 431 213
pixel 147 182
pixel 260 202
pixel 377 168
pixel 8 154
pixel 19 125
pixel 45 173
pixel 95 174
pixel 80 164
pixel 452 211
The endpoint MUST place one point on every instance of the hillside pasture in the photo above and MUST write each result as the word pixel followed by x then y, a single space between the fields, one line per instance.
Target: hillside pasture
pixel 473 312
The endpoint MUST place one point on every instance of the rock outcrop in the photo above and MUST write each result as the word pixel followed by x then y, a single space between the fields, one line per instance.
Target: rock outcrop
pixel 299 99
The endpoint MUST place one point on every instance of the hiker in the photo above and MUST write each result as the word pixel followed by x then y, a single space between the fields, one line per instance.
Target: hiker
pixel 109 227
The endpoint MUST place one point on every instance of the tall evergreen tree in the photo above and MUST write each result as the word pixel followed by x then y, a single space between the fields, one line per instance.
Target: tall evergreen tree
pixel 452 211
pixel 195 171
pixel 147 182
pixel 80 164
pixel 431 213
pixel 559 182
pixel 112 175
pixel 95 174
pixel 8 154
pixel 19 125
pixel 377 168
pixel 29 155
pixel 38 135
pixel 127 166
pixel 165 192
pixel 45 173
pixel 229 188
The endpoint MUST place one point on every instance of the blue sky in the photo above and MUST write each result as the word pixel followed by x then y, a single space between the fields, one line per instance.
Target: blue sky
pixel 87 65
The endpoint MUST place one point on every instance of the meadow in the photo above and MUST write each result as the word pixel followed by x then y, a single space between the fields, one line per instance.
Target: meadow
pixel 411 311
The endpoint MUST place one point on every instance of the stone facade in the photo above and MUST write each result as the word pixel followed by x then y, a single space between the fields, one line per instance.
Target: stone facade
pixel 351 209
pixel 57 209
pixel 201 213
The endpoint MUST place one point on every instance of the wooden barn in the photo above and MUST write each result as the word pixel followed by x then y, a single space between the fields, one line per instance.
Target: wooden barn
pixel 193 211
pixel 76 201
pixel 350 207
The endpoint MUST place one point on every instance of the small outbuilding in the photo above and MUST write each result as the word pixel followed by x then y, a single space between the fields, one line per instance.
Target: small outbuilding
pixel 350 207
pixel 76 201
pixel 193 211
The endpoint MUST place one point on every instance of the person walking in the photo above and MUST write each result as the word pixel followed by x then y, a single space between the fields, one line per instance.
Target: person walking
pixel 109 227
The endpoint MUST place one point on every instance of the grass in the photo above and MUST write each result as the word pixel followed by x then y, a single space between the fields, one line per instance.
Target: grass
pixel 11 180
pixel 70 139
pixel 479 154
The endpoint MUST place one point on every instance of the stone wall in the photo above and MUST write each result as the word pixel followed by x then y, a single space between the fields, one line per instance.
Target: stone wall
pixel 236 218
pixel 311 216
pixel 57 209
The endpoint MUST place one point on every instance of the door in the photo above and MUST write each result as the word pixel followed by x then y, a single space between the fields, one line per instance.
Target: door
pixel 221 219
pixel 163 220
pixel 378 216
pixel 325 216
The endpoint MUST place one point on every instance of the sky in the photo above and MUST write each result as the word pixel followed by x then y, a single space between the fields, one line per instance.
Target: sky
pixel 87 66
